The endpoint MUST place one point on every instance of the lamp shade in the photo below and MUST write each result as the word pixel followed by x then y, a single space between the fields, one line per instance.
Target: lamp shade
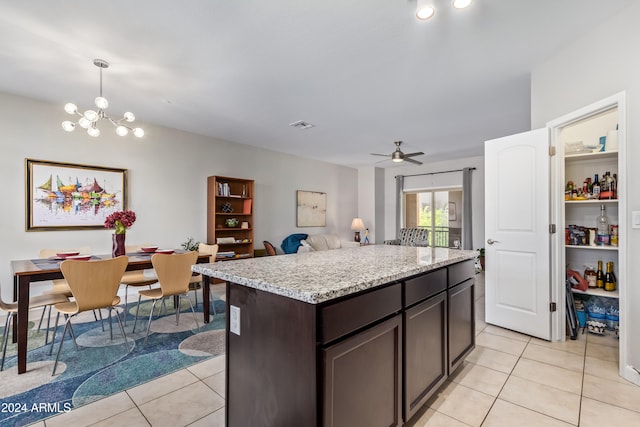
pixel 357 224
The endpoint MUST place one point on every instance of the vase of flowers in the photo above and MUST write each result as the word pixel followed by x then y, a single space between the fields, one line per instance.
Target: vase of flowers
pixel 119 221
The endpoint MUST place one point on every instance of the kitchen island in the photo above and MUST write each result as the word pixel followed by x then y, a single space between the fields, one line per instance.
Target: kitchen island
pixel 345 337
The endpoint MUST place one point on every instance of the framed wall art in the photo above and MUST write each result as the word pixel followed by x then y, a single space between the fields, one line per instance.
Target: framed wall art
pixel 311 209
pixel 67 196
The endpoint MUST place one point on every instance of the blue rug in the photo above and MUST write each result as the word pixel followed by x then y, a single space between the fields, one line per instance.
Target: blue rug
pixel 101 366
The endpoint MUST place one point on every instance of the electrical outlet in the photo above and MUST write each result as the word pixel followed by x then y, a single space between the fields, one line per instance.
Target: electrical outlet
pixel 234 320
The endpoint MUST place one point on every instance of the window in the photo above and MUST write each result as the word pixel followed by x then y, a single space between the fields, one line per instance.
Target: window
pixel 437 211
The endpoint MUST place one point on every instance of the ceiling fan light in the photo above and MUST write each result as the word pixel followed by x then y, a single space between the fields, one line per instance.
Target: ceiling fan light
pixel 93 131
pixel 129 116
pixel 102 103
pixel 397 159
pixel 424 10
pixel 461 4
pixel 91 115
pixel 122 131
pixel 138 132
pixel 84 123
pixel 70 108
pixel 68 126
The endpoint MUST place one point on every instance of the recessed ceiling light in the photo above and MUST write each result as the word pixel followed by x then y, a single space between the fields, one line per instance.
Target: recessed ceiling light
pixel 461 4
pixel 425 10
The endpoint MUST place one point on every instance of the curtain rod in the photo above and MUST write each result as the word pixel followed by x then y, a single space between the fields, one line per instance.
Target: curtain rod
pixel 436 173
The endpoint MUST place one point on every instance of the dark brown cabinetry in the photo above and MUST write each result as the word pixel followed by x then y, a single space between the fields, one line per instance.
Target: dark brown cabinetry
pixel 369 359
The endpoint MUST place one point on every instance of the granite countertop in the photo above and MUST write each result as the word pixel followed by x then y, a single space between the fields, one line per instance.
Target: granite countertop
pixel 316 277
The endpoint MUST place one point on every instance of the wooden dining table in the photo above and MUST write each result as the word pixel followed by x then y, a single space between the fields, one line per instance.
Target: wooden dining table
pixel 28 271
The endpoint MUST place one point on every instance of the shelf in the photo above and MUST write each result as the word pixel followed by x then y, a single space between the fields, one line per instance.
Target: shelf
pixel 597 155
pixel 589 247
pixel 234 229
pixel 590 202
pixel 232 214
pixel 234 197
pixel 597 292
pixel 234 244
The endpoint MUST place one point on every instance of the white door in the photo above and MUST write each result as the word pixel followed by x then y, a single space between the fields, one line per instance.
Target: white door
pixel 517 277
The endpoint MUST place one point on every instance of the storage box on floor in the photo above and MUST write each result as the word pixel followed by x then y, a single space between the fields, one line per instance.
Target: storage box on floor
pixel 599 314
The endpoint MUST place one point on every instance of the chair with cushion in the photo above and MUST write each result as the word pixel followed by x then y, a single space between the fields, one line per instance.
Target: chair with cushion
pixel 411 236
pixel 11 308
pixel 196 280
pixel 271 250
pixel 94 285
pixel 174 273
pixel 135 278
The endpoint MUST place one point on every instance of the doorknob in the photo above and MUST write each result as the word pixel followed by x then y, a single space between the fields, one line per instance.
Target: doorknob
pixel 491 241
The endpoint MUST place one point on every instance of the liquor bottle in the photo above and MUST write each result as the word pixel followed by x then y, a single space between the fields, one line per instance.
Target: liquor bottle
pixel 604 187
pixel 614 186
pixel 595 188
pixel 602 228
pixel 610 278
pixel 599 276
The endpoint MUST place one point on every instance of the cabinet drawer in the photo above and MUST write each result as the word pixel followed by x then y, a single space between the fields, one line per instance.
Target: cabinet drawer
pixel 460 272
pixel 422 287
pixel 346 316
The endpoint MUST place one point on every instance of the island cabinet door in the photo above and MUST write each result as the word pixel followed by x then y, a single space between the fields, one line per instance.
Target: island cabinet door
pixel 425 328
pixel 362 378
pixel 462 329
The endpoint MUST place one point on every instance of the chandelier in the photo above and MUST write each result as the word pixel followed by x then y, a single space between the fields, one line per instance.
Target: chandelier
pixel 89 120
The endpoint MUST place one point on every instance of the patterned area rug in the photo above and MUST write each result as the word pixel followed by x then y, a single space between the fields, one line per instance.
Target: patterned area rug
pixel 101 366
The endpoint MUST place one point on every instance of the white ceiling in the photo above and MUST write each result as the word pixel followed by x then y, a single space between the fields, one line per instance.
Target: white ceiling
pixel 364 72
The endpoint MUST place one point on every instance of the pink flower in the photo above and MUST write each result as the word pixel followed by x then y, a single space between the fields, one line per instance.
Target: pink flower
pixel 120 221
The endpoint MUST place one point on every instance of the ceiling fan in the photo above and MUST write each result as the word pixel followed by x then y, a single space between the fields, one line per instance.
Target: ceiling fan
pixel 399 156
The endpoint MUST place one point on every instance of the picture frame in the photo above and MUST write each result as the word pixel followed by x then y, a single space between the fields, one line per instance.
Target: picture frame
pixel 451 207
pixel 68 196
pixel 311 209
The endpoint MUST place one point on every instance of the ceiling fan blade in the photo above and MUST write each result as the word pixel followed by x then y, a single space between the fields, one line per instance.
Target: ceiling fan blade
pixel 383 155
pixel 411 160
pixel 419 153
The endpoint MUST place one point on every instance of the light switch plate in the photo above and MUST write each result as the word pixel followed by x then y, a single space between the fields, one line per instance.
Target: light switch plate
pixel 635 219
pixel 234 320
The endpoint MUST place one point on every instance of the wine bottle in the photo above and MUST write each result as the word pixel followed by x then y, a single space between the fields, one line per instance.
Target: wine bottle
pixel 602 228
pixel 599 276
pixel 609 278
pixel 595 188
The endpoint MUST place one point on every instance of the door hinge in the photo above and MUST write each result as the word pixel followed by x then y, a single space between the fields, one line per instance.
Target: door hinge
pixel 552 307
pixel 552 228
pixel 552 150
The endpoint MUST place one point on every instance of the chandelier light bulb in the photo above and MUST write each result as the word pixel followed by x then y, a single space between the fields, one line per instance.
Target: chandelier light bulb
pixel 461 4
pixel 68 126
pixel 138 132
pixel 91 115
pixel 122 131
pixel 93 131
pixel 84 123
pixel 102 103
pixel 129 116
pixel 70 108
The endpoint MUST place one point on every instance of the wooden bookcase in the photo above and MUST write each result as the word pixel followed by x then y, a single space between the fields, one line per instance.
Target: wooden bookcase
pixel 227 199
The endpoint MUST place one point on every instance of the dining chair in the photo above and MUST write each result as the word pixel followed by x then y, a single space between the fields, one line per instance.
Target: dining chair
pixel 196 280
pixel 174 273
pixel 11 308
pixel 60 286
pixel 135 278
pixel 94 285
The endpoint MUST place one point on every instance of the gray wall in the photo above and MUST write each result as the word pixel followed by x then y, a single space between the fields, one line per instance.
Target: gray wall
pixel 167 183
pixel 594 67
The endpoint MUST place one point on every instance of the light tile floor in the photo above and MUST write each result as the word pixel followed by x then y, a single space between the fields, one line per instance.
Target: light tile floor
pixel 509 379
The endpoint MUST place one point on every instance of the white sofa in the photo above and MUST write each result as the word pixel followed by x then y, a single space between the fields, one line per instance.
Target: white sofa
pixel 323 242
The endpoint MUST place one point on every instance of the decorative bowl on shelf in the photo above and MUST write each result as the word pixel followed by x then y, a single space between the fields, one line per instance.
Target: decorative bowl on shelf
pixel 232 222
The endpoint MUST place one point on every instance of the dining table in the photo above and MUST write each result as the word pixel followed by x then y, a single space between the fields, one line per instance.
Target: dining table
pixel 28 271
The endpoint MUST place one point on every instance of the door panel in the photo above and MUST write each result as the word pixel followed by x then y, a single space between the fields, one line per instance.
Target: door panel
pixel 517 230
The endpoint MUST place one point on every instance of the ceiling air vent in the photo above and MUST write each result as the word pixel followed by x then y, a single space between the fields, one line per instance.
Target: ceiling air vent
pixel 301 124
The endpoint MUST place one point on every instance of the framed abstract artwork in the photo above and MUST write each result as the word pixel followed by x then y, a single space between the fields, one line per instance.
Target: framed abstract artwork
pixel 67 196
pixel 311 209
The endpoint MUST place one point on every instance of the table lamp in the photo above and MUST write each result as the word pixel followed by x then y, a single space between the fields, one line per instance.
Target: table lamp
pixel 357 225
